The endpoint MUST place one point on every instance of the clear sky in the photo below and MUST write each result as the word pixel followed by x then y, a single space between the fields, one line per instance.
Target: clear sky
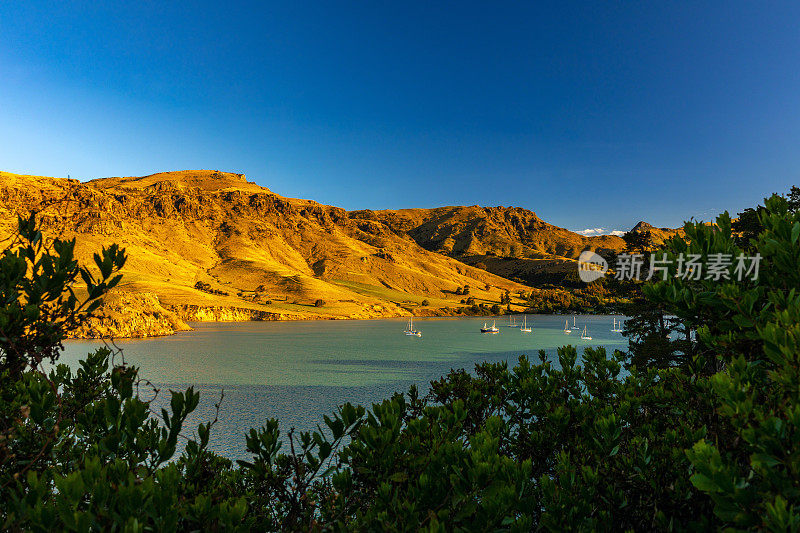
pixel 594 115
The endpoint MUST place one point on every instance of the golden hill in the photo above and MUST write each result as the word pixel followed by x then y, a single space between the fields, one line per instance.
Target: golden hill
pixel 211 245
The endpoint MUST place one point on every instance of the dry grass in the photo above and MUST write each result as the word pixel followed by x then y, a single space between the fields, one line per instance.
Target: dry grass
pixel 184 227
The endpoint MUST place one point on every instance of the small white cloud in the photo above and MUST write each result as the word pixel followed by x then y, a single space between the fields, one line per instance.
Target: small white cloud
pixel 593 232
pixel 589 232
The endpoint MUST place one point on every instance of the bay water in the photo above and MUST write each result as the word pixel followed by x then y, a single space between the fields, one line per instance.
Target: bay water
pixel 299 371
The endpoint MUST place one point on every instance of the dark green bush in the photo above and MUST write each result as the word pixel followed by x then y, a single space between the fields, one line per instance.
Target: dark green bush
pixel 701 434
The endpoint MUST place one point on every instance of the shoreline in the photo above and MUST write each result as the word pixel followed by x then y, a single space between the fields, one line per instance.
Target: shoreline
pixel 192 324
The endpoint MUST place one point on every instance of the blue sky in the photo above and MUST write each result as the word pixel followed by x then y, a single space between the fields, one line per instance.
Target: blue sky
pixel 594 115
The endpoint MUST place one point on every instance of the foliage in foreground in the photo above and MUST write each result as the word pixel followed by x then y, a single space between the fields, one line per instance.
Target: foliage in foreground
pixel 695 432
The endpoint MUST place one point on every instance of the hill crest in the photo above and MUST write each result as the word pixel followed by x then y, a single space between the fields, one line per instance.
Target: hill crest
pixel 204 180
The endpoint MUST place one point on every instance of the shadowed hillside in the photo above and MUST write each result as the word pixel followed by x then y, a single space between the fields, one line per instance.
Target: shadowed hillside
pixel 498 231
pixel 508 241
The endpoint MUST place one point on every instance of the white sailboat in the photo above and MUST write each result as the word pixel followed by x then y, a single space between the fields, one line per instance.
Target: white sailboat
pixel 617 328
pixel 585 335
pixel 567 331
pixel 574 326
pixel 512 322
pixel 491 329
pixel 525 328
pixel 410 331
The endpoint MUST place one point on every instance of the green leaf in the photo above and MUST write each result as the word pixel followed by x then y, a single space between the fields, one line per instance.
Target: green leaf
pixel 704 483
pixel 764 460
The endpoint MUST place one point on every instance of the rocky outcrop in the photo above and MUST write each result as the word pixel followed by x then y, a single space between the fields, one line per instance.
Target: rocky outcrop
pixel 215 313
pixel 125 314
pixel 657 235
pixel 642 226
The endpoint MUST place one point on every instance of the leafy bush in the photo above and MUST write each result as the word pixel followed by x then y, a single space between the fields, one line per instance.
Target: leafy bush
pixel 37 280
pixel 699 435
pixel 749 335
pixel 206 287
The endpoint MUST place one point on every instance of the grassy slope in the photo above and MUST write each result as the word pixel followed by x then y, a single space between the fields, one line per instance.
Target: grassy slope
pixel 181 228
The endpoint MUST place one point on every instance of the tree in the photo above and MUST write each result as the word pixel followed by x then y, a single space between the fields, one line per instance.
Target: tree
pixel 749 463
pixel 748 224
pixel 655 338
pixel 793 199
pixel 639 242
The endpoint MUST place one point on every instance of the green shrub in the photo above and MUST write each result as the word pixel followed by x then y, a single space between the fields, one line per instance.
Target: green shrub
pixel 694 436
pixel 749 334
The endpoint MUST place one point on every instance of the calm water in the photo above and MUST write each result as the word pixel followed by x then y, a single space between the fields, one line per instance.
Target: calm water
pixel 298 371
